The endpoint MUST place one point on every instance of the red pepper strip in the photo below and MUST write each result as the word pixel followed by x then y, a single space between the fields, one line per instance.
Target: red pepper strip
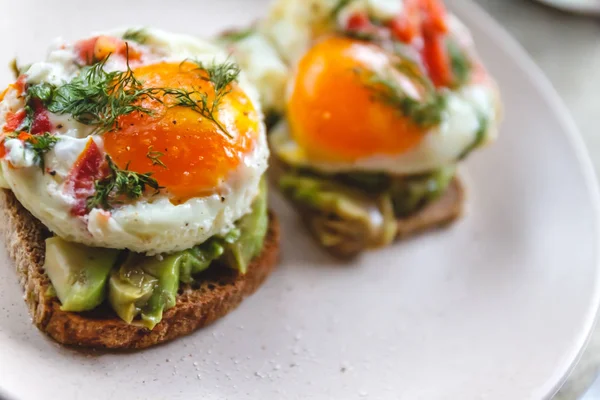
pixel 435 52
pixel 407 26
pixel 437 60
pixel 87 169
pixel 436 15
pixel 41 121
pixel 14 120
pixel 358 22
pixel 20 84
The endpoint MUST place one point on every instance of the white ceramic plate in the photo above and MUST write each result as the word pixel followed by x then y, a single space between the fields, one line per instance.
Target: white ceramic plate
pixel 497 307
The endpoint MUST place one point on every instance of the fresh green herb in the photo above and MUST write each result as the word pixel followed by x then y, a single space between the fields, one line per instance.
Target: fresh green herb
pixel 221 76
pixel 339 7
pixel 43 92
pixel 237 35
pixel 155 156
pixel 479 137
pixel 139 35
pixel 41 144
pixel 120 183
pixel 361 35
pixel 460 62
pixel 96 97
pixel 425 112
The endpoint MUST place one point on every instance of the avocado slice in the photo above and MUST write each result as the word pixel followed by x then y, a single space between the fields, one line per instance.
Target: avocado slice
pixel 199 258
pixel 165 293
pixel 144 286
pixel 78 273
pixel 413 193
pixel 344 220
pixel 129 289
pixel 245 244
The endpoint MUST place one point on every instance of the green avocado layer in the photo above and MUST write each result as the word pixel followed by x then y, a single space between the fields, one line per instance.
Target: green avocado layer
pixel 351 212
pixel 140 288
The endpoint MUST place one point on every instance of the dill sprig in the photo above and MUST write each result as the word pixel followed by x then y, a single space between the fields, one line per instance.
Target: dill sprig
pixel 197 101
pixel 139 35
pixel 41 144
pixel 96 97
pixel 120 183
pixel 155 156
pixel 221 76
pixel 99 98
pixel 425 112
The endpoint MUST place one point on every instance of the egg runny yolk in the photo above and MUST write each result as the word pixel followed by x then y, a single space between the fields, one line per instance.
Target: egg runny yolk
pixel 186 152
pixel 334 116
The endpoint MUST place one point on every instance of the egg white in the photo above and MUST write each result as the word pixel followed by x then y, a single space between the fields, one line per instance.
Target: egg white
pixel 150 225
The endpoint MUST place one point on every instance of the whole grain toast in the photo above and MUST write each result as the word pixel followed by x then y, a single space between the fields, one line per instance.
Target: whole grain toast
pixel 217 291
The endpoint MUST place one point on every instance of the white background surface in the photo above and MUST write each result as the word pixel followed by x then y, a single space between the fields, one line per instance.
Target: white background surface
pixel 402 322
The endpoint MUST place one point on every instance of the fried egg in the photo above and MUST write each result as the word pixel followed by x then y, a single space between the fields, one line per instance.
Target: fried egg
pixel 335 122
pixel 208 169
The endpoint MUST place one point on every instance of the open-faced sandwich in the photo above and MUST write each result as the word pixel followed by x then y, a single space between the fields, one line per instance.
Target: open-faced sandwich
pixel 134 205
pixel 379 102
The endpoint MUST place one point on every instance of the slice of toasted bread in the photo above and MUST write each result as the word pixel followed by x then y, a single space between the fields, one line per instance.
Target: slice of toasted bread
pixel 437 214
pixel 218 291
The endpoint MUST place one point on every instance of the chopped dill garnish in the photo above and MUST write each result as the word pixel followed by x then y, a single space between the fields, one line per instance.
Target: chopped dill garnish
pixel 99 98
pixel 425 112
pixel 221 76
pixel 41 144
pixel 155 156
pixel 120 183
pixel 139 35
pixel 339 7
pixel 96 97
pixel 461 64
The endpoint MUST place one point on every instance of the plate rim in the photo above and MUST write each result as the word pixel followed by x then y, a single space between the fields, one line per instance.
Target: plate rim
pixel 479 17
pixel 484 21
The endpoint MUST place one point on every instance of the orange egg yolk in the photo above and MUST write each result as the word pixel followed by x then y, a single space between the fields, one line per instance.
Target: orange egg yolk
pixel 334 115
pixel 186 152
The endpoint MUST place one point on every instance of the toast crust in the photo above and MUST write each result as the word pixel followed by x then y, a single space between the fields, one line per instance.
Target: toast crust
pixel 218 291
pixel 437 214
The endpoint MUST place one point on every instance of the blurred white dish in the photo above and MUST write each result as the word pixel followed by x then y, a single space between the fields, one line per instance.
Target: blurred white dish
pixel 497 307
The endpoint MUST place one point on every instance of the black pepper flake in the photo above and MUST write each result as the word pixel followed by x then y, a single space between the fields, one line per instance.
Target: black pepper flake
pixel 59 126
pixel 174 122
pixel 222 199
pixel 52 173
pixel 187 224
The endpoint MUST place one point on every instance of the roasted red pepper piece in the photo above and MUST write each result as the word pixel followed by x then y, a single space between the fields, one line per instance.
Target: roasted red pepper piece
pixel 14 120
pixel 89 167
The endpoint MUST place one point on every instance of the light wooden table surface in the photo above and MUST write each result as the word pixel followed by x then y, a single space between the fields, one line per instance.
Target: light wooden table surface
pixel 567 48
